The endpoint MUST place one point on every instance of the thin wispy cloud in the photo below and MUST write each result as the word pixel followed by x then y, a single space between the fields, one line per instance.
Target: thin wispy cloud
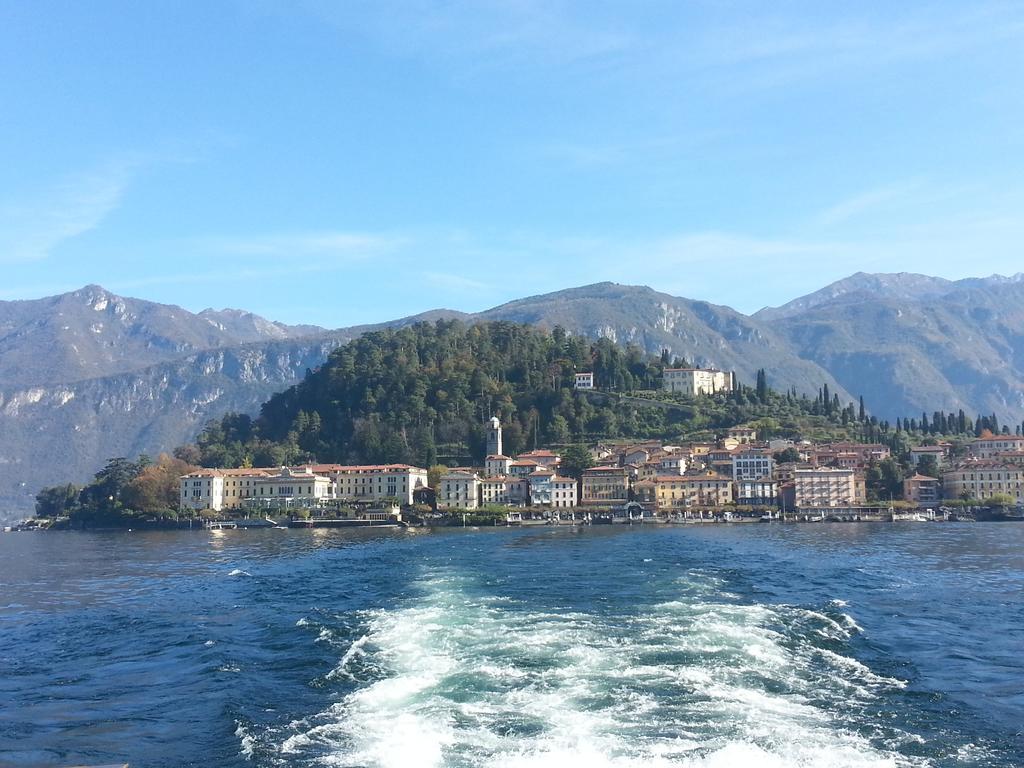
pixel 866 202
pixel 31 229
pixel 764 45
pixel 352 245
pixel 493 32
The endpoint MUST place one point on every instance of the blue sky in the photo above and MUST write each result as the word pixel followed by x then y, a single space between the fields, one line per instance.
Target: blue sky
pixel 346 162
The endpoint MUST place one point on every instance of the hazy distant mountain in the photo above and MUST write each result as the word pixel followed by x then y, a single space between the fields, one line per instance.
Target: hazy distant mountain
pixel 88 375
pixel 901 286
pixel 91 332
pixel 961 348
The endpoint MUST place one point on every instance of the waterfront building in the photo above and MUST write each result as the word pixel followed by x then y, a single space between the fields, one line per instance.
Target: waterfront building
pixel 374 482
pixel 503 490
pixel 549 490
pixel 240 485
pixel 605 485
pixel 584 381
pixel 751 464
pixel 983 479
pixel 761 492
pixel 292 486
pixel 697 381
pixel 706 489
pixel 459 489
pixel 991 447
pixel 824 487
pixel 564 491
pixel 922 490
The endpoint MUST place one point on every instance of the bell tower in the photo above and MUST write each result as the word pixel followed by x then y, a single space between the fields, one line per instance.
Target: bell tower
pixel 494 437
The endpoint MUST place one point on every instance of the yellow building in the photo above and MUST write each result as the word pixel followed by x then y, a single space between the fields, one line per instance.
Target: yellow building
pixel 605 485
pixel 704 490
pixel 984 479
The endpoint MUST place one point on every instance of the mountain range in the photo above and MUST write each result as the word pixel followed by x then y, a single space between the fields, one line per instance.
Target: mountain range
pixel 88 375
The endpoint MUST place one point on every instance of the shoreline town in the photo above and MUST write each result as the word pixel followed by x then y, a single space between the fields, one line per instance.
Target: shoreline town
pixel 738 477
pixel 735 478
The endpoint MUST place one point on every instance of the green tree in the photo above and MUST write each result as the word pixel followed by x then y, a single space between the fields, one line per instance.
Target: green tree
pixel 57 501
pixel 575 459
pixel 787 455
pixel 1000 500
pixel 928 465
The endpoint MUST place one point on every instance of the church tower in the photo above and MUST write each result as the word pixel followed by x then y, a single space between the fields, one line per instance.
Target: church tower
pixel 494 437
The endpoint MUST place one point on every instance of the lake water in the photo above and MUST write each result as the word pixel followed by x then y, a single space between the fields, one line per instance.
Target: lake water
pixel 767 645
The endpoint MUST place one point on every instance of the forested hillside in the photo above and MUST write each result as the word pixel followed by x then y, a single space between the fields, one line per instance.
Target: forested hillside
pixel 421 395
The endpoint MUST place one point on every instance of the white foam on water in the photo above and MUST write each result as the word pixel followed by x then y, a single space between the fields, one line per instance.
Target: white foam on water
pixel 464 679
pixel 247 743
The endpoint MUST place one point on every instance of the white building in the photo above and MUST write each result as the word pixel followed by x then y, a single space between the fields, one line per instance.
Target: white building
pixel 698 381
pixel 751 465
pixel 504 490
pixel 203 489
pixel 673 464
pixel 374 482
pixel 290 486
pixel 584 381
pixel 763 492
pixel 497 466
pixel 549 490
pixel 825 487
pixel 460 489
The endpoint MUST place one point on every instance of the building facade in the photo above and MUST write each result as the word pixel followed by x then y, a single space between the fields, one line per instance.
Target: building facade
pixel 992 447
pixel 292 486
pixel 605 485
pixel 983 480
pixel 583 381
pixel 374 482
pixel 825 487
pixel 921 489
pixel 697 381
pixel 459 489
pixel 751 464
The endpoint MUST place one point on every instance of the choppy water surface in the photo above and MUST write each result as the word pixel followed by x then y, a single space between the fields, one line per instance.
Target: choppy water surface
pixel 828 645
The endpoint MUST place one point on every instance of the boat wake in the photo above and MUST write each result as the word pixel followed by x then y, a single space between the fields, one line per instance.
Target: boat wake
pixel 464 678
